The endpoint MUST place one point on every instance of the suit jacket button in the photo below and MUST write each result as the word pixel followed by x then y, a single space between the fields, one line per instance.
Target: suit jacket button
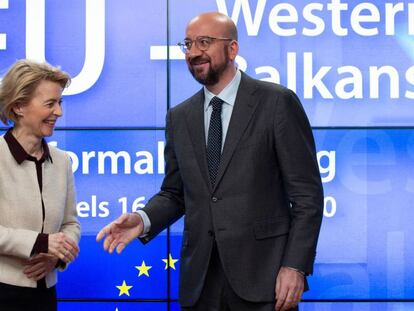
pixel 210 232
pixel 214 199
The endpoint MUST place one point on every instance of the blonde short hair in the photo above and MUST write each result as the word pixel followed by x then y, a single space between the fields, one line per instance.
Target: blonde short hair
pixel 20 83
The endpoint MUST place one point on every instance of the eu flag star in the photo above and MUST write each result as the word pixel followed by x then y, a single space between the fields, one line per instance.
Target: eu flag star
pixel 170 262
pixel 143 269
pixel 124 289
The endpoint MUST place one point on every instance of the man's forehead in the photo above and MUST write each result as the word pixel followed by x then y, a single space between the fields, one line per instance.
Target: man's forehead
pixel 201 28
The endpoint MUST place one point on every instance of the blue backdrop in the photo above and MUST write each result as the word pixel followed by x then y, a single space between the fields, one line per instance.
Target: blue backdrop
pixel 351 64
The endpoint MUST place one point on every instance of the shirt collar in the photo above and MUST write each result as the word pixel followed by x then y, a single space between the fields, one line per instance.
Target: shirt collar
pixel 228 94
pixel 20 154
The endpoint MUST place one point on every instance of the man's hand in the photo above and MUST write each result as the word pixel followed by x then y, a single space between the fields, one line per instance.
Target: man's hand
pixel 40 265
pixel 63 247
pixel 289 289
pixel 121 231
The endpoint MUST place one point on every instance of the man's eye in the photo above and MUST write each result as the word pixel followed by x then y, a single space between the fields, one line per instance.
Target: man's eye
pixel 204 41
pixel 187 44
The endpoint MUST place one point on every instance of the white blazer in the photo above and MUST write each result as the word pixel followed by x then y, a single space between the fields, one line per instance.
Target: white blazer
pixel 21 210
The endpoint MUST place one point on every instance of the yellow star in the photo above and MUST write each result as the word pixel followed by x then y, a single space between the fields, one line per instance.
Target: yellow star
pixel 170 262
pixel 124 289
pixel 143 269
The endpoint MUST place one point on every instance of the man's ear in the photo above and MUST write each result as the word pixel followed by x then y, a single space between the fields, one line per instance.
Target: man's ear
pixel 233 49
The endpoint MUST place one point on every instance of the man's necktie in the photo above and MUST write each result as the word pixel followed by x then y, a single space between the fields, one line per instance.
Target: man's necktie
pixel 214 140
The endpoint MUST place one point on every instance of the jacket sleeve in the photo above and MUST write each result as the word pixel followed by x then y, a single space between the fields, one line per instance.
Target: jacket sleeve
pixel 164 208
pixel 70 224
pixel 295 148
pixel 17 242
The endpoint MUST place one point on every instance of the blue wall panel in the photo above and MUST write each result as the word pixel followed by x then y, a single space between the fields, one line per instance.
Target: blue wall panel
pixel 365 154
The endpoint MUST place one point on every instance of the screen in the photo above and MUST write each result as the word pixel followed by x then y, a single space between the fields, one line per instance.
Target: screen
pixel 351 64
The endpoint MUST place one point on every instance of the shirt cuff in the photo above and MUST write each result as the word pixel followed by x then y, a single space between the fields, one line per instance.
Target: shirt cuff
pixel 60 264
pixel 294 269
pixel 41 244
pixel 146 221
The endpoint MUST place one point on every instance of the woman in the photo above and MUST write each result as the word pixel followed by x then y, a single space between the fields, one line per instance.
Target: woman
pixel 39 230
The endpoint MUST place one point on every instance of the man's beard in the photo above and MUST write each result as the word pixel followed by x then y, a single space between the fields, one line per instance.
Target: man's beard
pixel 213 75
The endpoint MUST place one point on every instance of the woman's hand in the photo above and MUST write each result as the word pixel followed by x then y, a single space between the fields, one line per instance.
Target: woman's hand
pixel 63 247
pixel 38 266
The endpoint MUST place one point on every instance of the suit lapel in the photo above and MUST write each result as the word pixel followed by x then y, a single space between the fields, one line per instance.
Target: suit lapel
pixel 243 109
pixel 195 124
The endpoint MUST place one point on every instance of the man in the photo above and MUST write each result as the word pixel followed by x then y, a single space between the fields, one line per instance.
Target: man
pixel 241 166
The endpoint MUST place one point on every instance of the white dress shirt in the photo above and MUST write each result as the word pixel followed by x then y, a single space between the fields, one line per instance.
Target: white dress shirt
pixel 228 96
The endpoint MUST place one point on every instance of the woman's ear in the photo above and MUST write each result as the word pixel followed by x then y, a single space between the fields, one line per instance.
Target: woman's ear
pixel 17 109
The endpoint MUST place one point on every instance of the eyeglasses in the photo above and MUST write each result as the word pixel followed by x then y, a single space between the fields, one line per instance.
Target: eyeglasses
pixel 202 43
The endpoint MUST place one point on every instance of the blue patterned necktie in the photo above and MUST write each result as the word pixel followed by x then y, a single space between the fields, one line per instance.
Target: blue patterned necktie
pixel 214 141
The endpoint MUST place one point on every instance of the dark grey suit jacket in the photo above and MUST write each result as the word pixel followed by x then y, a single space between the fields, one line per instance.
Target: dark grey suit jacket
pixel 266 208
